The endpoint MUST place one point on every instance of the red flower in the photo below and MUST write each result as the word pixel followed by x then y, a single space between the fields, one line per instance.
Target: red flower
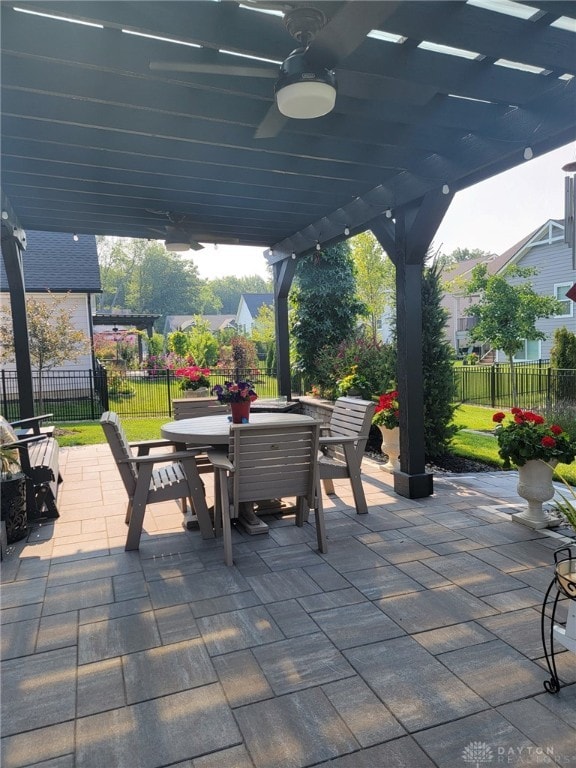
pixel 548 442
pixel 498 417
pixel 514 411
pixel 556 429
pixel 519 418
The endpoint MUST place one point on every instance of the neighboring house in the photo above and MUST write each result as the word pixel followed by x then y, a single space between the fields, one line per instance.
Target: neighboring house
pixel 67 267
pixel 249 307
pixel 545 250
pixel 185 322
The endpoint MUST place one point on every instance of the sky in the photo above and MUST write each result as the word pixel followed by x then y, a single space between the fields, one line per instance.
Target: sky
pixel 492 215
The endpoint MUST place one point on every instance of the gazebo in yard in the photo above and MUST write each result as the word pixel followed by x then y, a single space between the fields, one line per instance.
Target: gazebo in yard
pixel 160 120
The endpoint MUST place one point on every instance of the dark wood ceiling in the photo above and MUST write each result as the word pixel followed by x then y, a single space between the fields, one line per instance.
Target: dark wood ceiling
pixel 93 141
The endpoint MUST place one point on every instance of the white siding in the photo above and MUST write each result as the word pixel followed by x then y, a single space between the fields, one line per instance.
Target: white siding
pixel 77 304
pixel 244 319
pixel 554 264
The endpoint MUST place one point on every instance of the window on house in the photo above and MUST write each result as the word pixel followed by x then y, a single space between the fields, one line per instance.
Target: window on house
pixel 560 294
pixel 530 350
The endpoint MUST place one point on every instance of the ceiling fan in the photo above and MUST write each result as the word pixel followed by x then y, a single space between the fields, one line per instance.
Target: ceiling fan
pixel 181 236
pixel 307 83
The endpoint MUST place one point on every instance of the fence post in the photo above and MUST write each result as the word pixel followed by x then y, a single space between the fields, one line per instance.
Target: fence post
pixel 493 385
pixel 549 387
pixel 168 391
pixel 92 412
pixel 4 394
pixel 104 388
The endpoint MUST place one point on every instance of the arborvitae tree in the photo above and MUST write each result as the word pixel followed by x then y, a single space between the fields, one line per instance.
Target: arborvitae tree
pixel 563 357
pixel 325 307
pixel 563 352
pixel 438 375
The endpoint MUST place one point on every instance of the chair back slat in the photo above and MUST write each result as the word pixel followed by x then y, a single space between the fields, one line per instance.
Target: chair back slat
pixel 351 417
pixel 273 460
pixel 120 449
pixel 190 408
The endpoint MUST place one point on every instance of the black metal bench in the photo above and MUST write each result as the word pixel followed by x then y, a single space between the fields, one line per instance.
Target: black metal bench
pixel 40 463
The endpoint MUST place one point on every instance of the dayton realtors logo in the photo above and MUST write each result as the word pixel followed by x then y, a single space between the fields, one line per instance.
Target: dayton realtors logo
pixel 477 754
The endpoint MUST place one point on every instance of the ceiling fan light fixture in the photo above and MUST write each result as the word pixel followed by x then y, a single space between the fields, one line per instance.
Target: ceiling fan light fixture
pixel 177 241
pixel 303 92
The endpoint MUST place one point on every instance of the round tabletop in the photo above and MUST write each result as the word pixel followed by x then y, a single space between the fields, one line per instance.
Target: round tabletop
pixel 215 430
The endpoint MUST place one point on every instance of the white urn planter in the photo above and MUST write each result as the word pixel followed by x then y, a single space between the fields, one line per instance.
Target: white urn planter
pixel 391 447
pixel 535 485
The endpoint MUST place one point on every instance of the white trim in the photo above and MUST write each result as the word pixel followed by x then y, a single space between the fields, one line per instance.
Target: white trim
pixel 570 303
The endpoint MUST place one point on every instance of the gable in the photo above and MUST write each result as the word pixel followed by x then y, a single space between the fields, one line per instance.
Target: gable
pixel 55 261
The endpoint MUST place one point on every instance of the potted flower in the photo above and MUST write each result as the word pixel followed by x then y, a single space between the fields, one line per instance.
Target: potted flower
pixel 536 448
pixel 194 381
pixel 387 418
pixel 353 384
pixel 239 394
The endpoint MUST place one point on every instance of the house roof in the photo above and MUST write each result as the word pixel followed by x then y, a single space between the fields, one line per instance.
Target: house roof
pixel 215 322
pixel 94 141
pixel 254 301
pixel 497 263
pixel 54 261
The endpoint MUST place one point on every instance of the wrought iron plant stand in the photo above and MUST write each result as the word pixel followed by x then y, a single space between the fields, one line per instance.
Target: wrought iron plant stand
pixel 565 583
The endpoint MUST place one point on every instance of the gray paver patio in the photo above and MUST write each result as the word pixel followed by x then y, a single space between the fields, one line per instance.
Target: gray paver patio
pixel 413 639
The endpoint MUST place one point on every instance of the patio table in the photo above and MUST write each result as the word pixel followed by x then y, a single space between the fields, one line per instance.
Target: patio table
pixel 215 431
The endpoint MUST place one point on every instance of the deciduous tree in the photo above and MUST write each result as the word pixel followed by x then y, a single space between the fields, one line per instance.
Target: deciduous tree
pixel 375 286
pixel 507 311
pixel 53 338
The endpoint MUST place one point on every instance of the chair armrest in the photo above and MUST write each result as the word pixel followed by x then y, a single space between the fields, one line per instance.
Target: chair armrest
pixel 220 460
pixel 147 444
pixel 341 439
pixel 32 423
pixel 157 458
pixel 23 442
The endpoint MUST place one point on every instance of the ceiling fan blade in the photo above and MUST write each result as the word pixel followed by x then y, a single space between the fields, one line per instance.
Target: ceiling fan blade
pixel 347 30
pixel 272 124
pixel 213 69
pixel 364 85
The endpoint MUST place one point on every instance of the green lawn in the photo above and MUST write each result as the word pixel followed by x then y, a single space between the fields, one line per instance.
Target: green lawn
pixel 482 447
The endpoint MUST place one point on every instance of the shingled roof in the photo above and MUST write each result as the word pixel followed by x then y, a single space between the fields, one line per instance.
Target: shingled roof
pixel 255 300
pixel 54 261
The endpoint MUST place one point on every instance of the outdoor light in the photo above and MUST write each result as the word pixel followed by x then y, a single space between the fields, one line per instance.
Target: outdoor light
pixel 293 255
pixel 528 153
pixel 346 231
pixel 75 237
pixel 445 189
pixel 389 213
pixel 177 240
pixel 5 215
pixel 303 92
pixel 318 246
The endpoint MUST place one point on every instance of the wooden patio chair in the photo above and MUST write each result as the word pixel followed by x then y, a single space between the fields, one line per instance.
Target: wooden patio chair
pixel 145 484
pixel 264 462
pixel 342 444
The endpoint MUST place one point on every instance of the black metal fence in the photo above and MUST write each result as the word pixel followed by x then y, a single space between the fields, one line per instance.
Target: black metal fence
pixel 537 386
pixel 85 395
pixel 69 395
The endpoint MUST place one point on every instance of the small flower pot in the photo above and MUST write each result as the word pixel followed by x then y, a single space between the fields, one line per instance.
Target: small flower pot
pixel 240 412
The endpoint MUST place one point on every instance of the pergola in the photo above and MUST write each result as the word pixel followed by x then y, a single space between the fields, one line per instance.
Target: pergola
pixel 432 97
